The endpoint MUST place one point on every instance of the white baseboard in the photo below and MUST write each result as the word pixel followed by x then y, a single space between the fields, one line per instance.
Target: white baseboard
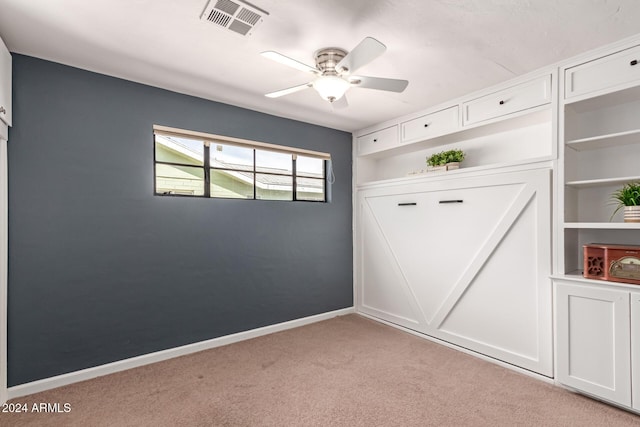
pixel 146 359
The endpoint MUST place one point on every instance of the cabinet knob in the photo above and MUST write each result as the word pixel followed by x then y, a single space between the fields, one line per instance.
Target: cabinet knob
pixel 634 62
pixel 2 110
pixel 426 125
pixel 501 102
pixel 375 140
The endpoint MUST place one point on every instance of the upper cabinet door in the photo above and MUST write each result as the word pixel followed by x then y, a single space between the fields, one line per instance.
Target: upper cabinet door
pixel 378 141
pixel 5 84
pixel 431 125
pixel 521 97
pixel 605 74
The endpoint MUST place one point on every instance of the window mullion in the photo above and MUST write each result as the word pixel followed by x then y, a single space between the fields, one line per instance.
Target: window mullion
pixel 207 170
pixel 324 180
pixel 255 172
pixel 294 176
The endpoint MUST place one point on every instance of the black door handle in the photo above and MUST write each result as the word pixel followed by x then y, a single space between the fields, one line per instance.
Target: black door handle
pixel 407 204
pixel 450 201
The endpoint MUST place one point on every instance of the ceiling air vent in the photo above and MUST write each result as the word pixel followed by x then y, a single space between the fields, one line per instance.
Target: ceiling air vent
pixel 240 17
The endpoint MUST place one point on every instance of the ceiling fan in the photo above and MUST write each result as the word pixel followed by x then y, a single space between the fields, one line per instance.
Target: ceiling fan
pixel 333 70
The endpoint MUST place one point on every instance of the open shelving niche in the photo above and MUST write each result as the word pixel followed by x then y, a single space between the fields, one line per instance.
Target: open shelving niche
pixel 522 138
pixel 601 152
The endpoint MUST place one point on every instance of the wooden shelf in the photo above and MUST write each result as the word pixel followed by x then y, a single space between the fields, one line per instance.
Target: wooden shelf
pixel 602 182
pixel 603 225
pixel 602 141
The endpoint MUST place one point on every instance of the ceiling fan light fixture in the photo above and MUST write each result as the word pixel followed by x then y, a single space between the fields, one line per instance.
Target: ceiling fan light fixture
pixel 331 88
pixel 333 70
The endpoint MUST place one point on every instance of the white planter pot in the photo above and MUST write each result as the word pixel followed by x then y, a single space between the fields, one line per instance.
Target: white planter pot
pixel 632 214
pixel 447 167
pixel 453 165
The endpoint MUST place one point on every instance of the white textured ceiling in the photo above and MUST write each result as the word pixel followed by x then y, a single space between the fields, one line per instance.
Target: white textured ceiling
pixel 445 48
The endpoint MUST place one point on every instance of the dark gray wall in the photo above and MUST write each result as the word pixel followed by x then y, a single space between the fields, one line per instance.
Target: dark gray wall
pixel 100 269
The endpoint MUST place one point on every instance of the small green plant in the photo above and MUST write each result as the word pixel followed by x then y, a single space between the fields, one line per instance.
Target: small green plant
pixel 444 157
pixel 628 195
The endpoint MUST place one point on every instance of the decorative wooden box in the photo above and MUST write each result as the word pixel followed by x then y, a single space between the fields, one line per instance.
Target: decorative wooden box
pixel 615 263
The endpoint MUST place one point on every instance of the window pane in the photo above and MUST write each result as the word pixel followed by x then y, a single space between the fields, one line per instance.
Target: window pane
pixel 309 166
pixel 310 189
pixel 179 180
pixel 179 150
pixel 270 161
pixel 231 184
pixel 231 157
pixel 274 187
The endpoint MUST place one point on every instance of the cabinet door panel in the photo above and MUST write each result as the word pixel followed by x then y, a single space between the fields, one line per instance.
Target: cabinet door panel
pixel 431 125
pixel 497 311
pixel 521 97
pixel 378 141
pixel 383 291
pixel 470 268
pixel 593 341
pixel 607 72
pixel 431 241
pixel 501 304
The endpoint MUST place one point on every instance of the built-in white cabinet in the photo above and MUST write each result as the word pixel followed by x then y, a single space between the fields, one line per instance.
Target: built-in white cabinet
pixel 465 256
pixel 511 100
pixel 431 125
pixel 465 260
pixel 597 323
pixel 379 140
pixel 462 256
pixel 600 136
pixel 501 127
pixel 607 73
pixel 5 84
pixel 598 340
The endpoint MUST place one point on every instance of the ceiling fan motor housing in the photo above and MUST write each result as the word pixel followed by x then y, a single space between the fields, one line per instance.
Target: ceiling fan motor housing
pixel 328 58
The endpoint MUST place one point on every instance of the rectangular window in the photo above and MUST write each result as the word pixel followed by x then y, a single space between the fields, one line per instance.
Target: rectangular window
pixel 310 182
pixel 202 165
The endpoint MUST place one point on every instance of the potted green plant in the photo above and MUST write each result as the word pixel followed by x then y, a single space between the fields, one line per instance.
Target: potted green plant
pixel 628 198
pixel 445 160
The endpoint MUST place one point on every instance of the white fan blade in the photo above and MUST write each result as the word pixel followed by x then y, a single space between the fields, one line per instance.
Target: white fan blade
pixel 379 83
pixel 341 103
pixel 368 50
pixel 287 91
pixel 285 60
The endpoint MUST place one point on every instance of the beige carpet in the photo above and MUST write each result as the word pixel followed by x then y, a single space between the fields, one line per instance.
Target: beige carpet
pixel 348 371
